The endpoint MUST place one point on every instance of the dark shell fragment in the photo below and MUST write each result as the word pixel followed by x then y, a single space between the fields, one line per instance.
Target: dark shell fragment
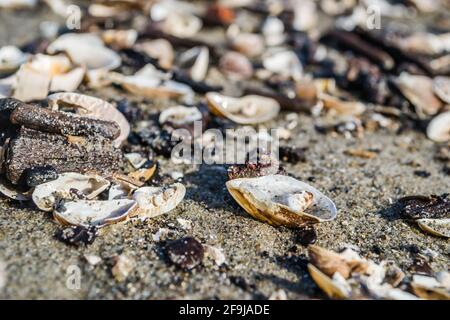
pixel 77 235
pixel 185 253
pixel 418 207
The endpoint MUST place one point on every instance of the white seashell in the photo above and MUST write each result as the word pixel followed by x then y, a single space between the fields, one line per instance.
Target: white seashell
pixel 273 31
pixel 118 191
pixel 430 288
pixel 11 58
pixel 441 87
pixel 7 86
pixel 198 59
pixel 282 200
pixel 216 254
pixel 154 201
pixel 425 43
pixel 17 4
pixel 424 100
pixel 353 108
pixel 120 38
pixel 69 81
pixel 92 107
pixel 182 25
pixel 249 44
pixel 104 11
pixel 249 109
pixel 439 128
pixel 236 66
pixel 283 62
pixel 305 15
pixel 335 287
pixel 159 49
pixel 437 227
pixel 13 194
pixel 180 115
pixel 93 213
pixel 86 49
pixel 136 159
pixel 47 194
pixel 31 84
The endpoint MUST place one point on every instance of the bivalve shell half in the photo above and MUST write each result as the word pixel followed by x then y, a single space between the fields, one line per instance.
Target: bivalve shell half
pixel 93 213
pixel 67 186
pixel 250 109
pixel 92 107
pixel 441 87
pixel 335 287
pixel 436 227
pixel 282 200
pixel 439 128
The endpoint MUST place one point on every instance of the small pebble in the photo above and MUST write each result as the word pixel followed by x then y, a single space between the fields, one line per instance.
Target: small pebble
pixel 77 235
pixel 185 253
pixel 122 267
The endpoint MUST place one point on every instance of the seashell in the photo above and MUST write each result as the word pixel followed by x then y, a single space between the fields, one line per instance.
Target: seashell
pixel 86 49
pixel 46 195
pixel 118 191
pixel 141 176
pixel 249 109
pixel 430 288
pixel 159 49
pixel 249 44
pixel 180 115
pixel 305 15
pixel 236 66
pixel 31 84
pixel 334 8
pixel 328 261
pixel 154 201
pixel 17 4
pixel 69 81
pixel 93 212
pixel 198 59
pixel 425 43
pixel 101 10
pixel 7 86
pixel 335 287
pixel 441 87
pixel 120 38
pixel 273 31
pixel 341 107
pixel 424 100
pixel 284 63
pixel 13 194
pixel 11 58
pixel 181 24
pixel 92 107
pixel 437 227
pixel 439 128
pixel 282 200
pixel 136 159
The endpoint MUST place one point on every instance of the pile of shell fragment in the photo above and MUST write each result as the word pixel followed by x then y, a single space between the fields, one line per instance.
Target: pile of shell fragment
pixel 351 79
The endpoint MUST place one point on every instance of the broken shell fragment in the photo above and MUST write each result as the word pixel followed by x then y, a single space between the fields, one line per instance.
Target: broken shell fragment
pixel 88 106
pixel 154 201
pixel 284 63
pixel 441 87
pixel 328 261
pixel 182 25
pixel 249 44
pixel 179 116
pixel 439 128
pixel 424 100
pixel 436 227
pixel 341 107
pixel 282 200
pixel 236 66
pixel 12 193
pixel 96 213
pixel 335 287
pixel 249 109
pixel 431 288
pixel 11 58
pixel 68 186
pixel 159 49
pixel 197 61
pixel 120 38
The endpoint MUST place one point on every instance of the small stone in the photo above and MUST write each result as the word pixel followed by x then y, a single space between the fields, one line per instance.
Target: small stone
pixel 185 253
pixel 422 173
pixel 307 236
pixel 92 259
pixel 160 234
pixel 216 254
pixel 278 295
pixel 122 267
pixel 185 224
pixel 77 235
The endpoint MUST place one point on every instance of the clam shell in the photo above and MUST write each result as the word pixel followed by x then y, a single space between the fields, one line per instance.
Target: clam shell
pixel 246 110
pixel 93 213
pixel 328 261
pixel 46 195
pixel 439 128
pixel 92 107
pixel 282 200
pixel 437 227
pixel 424 100
pixel 69 81
pixel 441 87
pixel 333 287
pixel 154 201
pixel 159 49
pixel 11 58
pixel 180 115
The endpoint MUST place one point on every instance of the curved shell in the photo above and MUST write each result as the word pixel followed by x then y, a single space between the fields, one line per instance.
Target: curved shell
pixel 92 107
pixel 180 115
pixel 182 25
pixel 430 288
pixel 250 109
pixel 154 201
pixel 334 288
pixel 282 200
pixel 13 194
pixel 236 66
pixel 93 213
pixel 441 87
pixel 436 227
pixel 159 49
pixel 11 58
pixel 439 128
pixel 249 44
pixel 342 107
pixel 197 59
pixel 120 38
pixel 283 62
pixel 46 195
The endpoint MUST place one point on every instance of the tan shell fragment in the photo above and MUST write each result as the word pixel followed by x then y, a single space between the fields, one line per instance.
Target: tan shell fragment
pixel 419 91
pixel 441 87
pixel 282 200
pixel 249 109
pixel 47 194
pixel 341 107
pixel 431 288
pixel 182 25
pixel 328 261
pixel 159 49
pixel 334 288
pixel 154 201
pixel 120 38
pixel 436 227
pixel 93 213
pixel 92 107
pixel 439 128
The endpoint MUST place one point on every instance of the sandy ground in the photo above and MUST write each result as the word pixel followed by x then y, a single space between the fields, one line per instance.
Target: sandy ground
pixel 260 259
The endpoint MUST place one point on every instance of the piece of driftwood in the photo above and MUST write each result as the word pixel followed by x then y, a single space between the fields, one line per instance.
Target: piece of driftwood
pixel 32 148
